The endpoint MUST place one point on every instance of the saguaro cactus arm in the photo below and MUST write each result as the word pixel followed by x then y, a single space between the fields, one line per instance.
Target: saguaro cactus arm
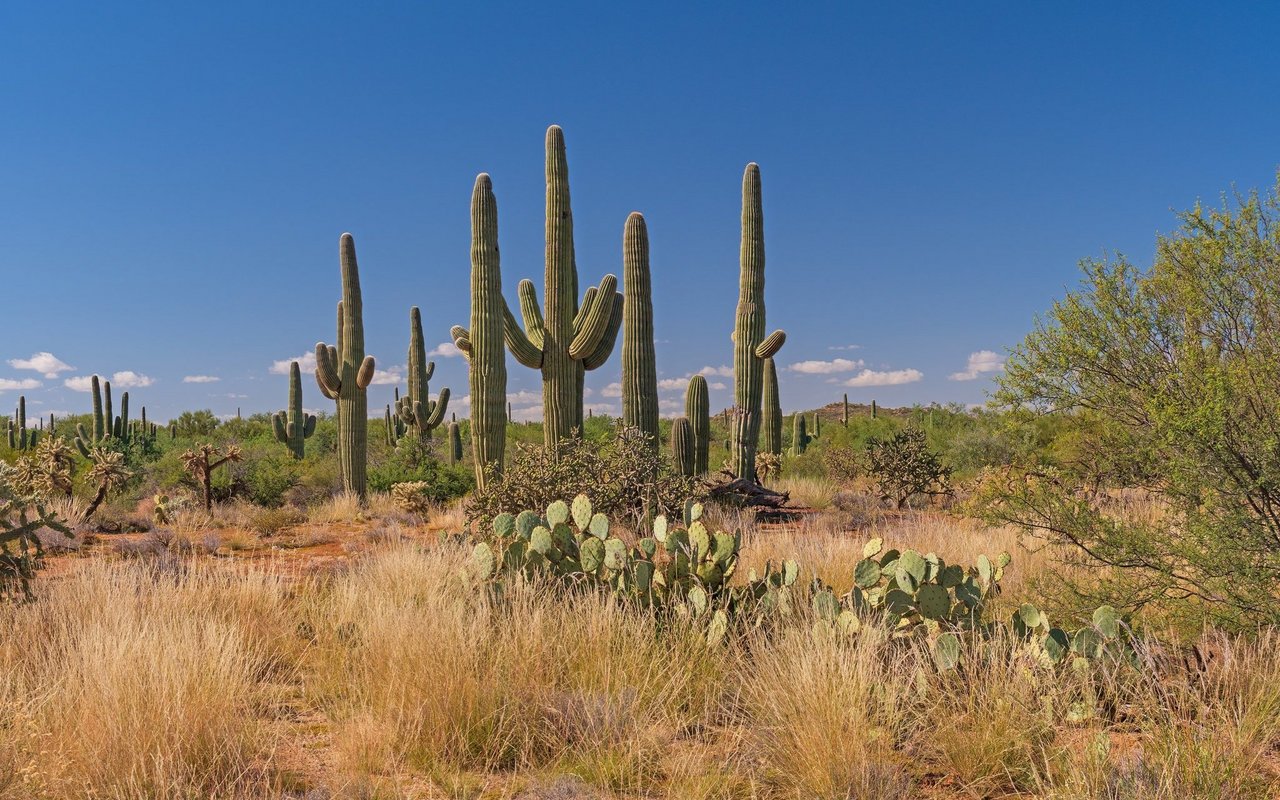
pixel 771 345
pixel 595 318
pixel 604 348
pixel 327 371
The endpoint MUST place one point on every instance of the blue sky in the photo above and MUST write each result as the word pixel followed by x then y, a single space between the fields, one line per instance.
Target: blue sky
pixel 175 177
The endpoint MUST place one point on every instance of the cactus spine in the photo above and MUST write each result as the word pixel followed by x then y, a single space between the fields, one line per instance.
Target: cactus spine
pixel 799 437
pixel 565 339
pixel 417 410
pixel 455 443
pixel 682 445
pixel 697 409
pixel 482 344
pixel 770 411
pixel 349 377
pixel 639 368
pixel 750 345
pixel 293 427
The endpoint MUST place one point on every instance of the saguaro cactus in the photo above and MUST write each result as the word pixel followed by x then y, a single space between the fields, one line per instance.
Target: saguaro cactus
pixel 873 409
pixel 21 423
pixel 697 408
pixel 108 418
pixel 817 425
pixel 682 445
pixel 799 436
pixel 349 377
pixel 482 344
pixel 565 339
pixel 416 409
pixel 98 429
pixel 292 427
pixel 455 443
pixel 639 367
pixel 844 416
pixel 770 411
pixel 121 427
pixel 750 345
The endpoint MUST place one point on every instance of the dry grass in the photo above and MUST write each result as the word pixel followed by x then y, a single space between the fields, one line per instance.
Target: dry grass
pixel 393 677
pixel 128 682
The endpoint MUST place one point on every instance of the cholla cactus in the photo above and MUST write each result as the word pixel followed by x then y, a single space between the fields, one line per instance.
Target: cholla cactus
pixel 22 518
pixel 202 460
pixel 108 472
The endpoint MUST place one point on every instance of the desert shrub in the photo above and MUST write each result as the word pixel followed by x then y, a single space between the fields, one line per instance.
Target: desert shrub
pixel 903 465
pixel 1177 368
pixel 414 461
pixel 270 521
pixel 193 424
pixel 842 463
pixel 266 477
pixel 625 476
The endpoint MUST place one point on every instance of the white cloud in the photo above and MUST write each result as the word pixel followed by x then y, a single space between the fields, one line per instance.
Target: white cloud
pixel 721 371
pixel 126 379
pixel 612 390
pixel 871 377
pixel 444 350
pixel 979 362
pixel 386 377
pixel 201 379
pixel 45 363
pixel 717 385
pixel 130 379
pixel 826 367
pixel 234 396
pixel 306 362
pixel 845 347
pixel 8 384
pixel 668 384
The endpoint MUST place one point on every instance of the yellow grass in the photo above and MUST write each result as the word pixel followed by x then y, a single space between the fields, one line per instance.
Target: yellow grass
pixel 394 677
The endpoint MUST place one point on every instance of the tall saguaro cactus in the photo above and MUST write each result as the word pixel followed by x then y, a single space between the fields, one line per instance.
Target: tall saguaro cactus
pixel 750 345
pixel 454 448
pixel 639 367
pixel 107 418
pixel 567 338
pixel 770 411
pixel 416 409
pixel 349 377
pixel 697 407
pixel 844 415
pixel 799 436
pixel 682 448
pixel 99 430
pixel 482 343
pixel 292 427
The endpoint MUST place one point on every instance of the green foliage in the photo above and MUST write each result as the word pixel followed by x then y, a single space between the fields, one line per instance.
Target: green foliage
pixel 193 424
pixel 414 462
pixel 903 465
pixel 1176 370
